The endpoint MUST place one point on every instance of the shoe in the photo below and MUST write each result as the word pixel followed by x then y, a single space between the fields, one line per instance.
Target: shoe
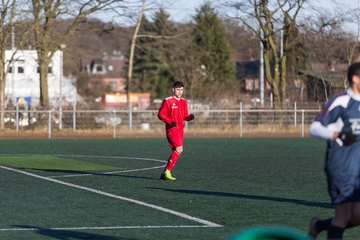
pixel 312 230
pixel 166 175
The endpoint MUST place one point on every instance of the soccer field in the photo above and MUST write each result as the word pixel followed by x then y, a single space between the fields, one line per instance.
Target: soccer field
pixel 110 189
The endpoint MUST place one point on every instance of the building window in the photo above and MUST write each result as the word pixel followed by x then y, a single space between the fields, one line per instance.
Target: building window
pixel 113 86
pixel 99 68
pixel 10 70
pixel 21 69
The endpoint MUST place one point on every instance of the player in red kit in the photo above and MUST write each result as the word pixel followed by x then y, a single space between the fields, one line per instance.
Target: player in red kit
pixel 173 112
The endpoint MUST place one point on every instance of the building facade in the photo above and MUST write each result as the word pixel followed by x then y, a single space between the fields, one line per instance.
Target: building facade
pixel 23 79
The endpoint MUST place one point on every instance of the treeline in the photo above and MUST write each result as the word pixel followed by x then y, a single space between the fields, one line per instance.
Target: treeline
pixel 202 53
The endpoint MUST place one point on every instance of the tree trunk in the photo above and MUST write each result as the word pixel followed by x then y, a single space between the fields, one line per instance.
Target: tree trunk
pixel 277 88
pixel 2 90
pixel 283 82
pixel 132 50
pixel 44 93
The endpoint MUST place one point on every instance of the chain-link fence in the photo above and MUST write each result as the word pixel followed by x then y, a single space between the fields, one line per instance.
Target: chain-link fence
pixel 122 123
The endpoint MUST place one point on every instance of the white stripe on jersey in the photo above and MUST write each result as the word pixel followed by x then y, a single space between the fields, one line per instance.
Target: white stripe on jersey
pixel 340 101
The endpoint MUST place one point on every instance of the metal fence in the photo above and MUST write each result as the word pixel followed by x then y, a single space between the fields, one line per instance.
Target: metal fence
pixel 122 123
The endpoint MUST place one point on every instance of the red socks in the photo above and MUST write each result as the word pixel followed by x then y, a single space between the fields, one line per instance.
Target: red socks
pixel 172 160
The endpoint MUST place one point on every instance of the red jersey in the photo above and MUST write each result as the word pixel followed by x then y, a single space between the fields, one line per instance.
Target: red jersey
pixel 174 110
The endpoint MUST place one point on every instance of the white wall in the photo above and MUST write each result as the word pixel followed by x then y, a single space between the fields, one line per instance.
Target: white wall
pixel 27 84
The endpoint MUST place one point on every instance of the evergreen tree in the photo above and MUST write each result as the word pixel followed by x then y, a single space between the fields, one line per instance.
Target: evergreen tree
pixel 141 60
pixel 201 58
pixel 163 53
pixel 153 56
pixel 213 53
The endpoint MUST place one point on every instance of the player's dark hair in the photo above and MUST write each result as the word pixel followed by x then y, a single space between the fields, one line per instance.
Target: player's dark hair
pixel 178 84
pixel 354 69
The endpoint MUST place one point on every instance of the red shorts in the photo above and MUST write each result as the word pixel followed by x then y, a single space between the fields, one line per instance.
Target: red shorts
pixel 175 137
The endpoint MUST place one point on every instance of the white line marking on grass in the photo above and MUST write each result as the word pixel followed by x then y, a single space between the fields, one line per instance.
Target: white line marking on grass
pixel 105 173
pixel 101 228
pixel 166 210
pixel 114 172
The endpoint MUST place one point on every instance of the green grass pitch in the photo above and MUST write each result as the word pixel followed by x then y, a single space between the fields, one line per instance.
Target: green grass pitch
pixel 109 189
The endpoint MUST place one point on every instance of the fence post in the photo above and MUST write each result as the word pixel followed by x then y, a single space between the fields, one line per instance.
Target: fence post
pixel 130 116
pixel 60 116
pixel 17 117
pixel 241 119
pixel 302 123
pixel 49 125
pixel 114 124
pixel 74 117
pixel 295 114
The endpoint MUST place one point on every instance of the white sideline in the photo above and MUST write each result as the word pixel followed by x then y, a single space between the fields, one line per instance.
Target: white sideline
pixel 179 214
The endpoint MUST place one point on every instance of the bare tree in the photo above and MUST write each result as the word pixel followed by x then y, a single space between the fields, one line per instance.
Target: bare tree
pixel 351 16
pixel 271 21
pixel 7 16
pixel 332 35
pixel 132 50
pixel 47 41
pixel 145 6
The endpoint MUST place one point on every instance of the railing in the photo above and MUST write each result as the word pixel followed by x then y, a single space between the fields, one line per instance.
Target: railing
pixel 122 123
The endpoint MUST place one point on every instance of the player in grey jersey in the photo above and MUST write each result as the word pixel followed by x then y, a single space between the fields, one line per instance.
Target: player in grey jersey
pixel 339 124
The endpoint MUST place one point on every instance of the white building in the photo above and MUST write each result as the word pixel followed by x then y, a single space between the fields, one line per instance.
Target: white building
pixel 23 78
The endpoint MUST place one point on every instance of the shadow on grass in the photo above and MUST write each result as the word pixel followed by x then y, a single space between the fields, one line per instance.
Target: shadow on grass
pixel 68 234
pixel 63 171
pixel 78 172
pixel 251 197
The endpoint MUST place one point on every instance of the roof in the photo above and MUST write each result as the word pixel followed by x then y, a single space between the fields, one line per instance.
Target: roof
pixel 112 65
pixel 335 79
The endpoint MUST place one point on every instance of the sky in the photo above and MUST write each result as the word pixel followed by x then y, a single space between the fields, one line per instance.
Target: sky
pixel 179 11
pixel 184 10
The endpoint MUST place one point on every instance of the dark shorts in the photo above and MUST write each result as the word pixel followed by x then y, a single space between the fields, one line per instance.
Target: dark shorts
pixel 175 137
pixel 344 189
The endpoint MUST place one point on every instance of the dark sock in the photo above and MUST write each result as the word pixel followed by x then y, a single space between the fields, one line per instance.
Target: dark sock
pixel 322 225
pixel 349 225
pixel 335 232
